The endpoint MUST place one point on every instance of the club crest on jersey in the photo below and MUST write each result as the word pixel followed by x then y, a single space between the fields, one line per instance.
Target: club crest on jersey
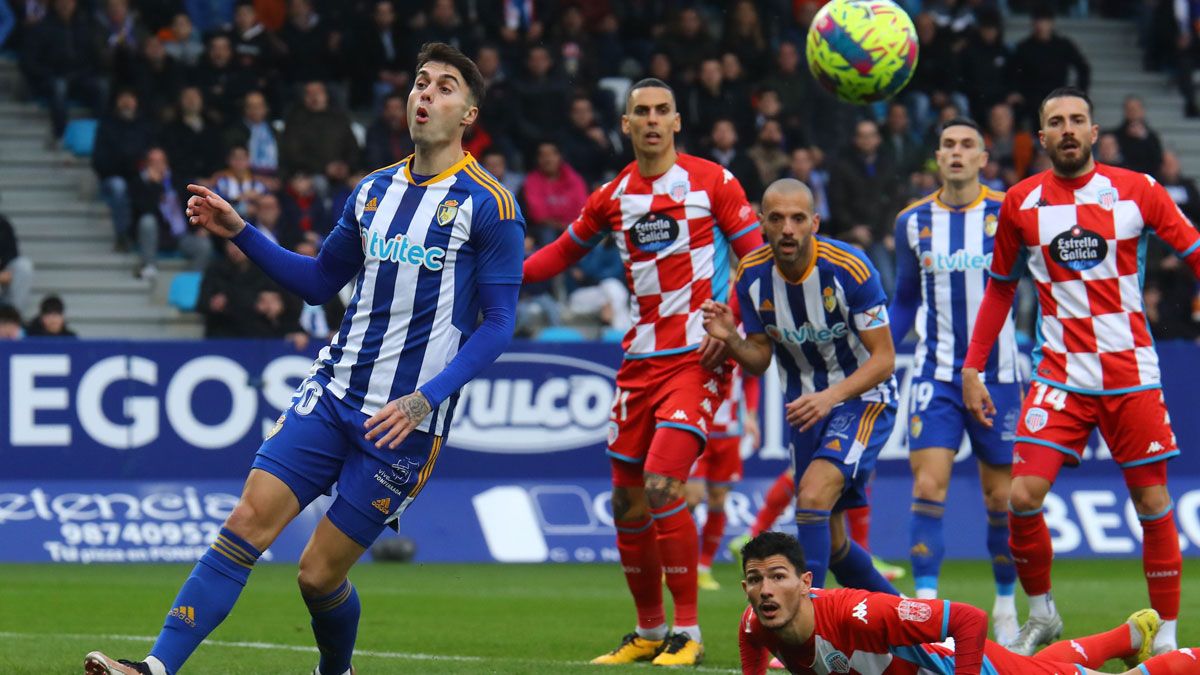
pixel 1108 198
pixel 910 610
pixel 990 223
pixel 916 426
pixel 654 232
pixel 837 662
pixel 828 299
pixel 1078 249
pixel 679 190
pixel 1035 419
pixel 447 211
pixel 614 430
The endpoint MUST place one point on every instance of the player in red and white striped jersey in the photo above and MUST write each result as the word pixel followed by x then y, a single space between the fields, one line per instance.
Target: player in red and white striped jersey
pixel 675 220
pixel 1081 230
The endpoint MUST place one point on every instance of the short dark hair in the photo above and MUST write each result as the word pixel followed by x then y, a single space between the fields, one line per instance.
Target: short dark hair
pixel 961 122
pixel 9 314
pixel 1064 92
pixel 645 83
pixel 772 543
pixel 440 52
pixel 52 304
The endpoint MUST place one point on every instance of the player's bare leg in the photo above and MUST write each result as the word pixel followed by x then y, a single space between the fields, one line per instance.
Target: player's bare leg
pixel 931 482
pixel 996 482
pixel 1162 561
pixel 331 598
pixel 1029 540
pixel 643 573
pixel 714 530
pixel 267 505
pixel 678 548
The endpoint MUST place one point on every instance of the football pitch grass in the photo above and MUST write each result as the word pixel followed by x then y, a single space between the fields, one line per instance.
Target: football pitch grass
pixel 434 618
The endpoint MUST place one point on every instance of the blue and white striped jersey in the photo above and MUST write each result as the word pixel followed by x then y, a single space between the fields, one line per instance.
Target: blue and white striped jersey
pixel 424 247
pixel 815 323
pixel 947 251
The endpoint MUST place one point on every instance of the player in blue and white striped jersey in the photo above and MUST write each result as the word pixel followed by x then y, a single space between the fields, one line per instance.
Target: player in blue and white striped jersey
pixel 943 253
pixel 818 307
pixel 433 241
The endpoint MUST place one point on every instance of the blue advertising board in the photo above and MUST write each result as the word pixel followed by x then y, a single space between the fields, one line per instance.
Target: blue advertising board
pixel 136 451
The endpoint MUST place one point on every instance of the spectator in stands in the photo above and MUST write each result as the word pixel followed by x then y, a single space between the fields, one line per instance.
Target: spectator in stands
pixel 598 287
pixel 864 196
pixel 585 144
pixel 122 138
pixel 554 194
pixel 689 41
pixel 574 45
pixel 159 200
pixel 121 35
pixel 445 25
pixel 303 209
pixel 383 57
pixel 228 293
pixel 388 141
pixel 901 144
pixel 768 154
pixel 1108 150
pixel 744 37
pixel 192 141
pixel 255 133
pixel 495 163
pixel 536 307
pixel 316 134
pixel 1187 40
pixel 276 316
pixel 984 65
pixel 223 81
pixel 787 80
pixel 236 183
pixel 725 151
pixel 319 322
pixel 311 48
pixel 10 323
pixel 62 59
pixel 51 320
pixel 803 168
pixel 267 216
pixel 1013 149
pixel 184 44
pixel 541 98
pixel 934 82
pixel 16 271
pixel 1043 62
pixel 254 47
pixel 1141 147
pixel 1181 188
pixel 157 77
pixel 711 100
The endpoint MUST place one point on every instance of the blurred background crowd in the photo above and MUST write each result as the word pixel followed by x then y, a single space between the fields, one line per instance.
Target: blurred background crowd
pixel 282 106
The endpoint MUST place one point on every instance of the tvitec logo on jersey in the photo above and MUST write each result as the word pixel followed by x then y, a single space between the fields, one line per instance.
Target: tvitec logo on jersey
pixel 529 403
pixel 958 261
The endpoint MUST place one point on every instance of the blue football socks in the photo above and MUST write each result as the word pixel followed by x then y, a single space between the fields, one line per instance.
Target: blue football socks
pixel 927 547
pixel 853 568
pixel 205 598
pixel 812 529
pixel 335 626
pixel 1003 569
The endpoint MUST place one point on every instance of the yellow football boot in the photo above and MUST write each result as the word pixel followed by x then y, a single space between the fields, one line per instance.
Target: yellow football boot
pixel 1146 622
pixel 633 648
pixel 680 650
pixel 706 581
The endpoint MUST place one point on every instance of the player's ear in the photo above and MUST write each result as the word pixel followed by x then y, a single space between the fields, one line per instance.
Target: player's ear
pixel 816 221
pixel 625 124
pixel 806 580
pixel 677 125
pixel 470 116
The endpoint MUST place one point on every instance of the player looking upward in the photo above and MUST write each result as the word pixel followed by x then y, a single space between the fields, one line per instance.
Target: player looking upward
pixel 1080 228
pixel 433 241
pixel 674 219
pixel 818 307
pixel 849 630
pixel 943 246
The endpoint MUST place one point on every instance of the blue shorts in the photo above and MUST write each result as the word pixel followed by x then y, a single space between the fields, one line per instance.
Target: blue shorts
pixel 851 438
pixel 937 418
pixel 319 441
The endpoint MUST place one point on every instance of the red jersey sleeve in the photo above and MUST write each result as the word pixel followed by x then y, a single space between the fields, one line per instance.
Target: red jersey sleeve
pixel 734 215
pixel 593 218
pixel 1008 251
pixel 1160 212
pixel 755 656
pixel 573 244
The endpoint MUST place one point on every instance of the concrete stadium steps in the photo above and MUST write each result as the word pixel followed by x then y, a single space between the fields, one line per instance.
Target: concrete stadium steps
pixel 1116 60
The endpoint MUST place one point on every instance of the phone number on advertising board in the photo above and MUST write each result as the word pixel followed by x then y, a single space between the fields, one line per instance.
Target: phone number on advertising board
pixel 139 534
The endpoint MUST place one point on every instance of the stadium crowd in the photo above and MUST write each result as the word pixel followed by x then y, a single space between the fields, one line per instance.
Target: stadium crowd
pixel 283 105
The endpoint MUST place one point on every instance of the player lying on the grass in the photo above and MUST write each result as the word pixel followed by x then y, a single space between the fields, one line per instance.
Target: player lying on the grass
pixel 844 630
pixel 1080 229
pixel 817 306
pixel 943 244
pixel 433 241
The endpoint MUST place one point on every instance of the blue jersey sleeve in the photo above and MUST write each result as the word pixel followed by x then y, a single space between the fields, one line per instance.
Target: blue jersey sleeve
pixel 867 301
pixel 500 246
pixel 903 309
pixel 751 321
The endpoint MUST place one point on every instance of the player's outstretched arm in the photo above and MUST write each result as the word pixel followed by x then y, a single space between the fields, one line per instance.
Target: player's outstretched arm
pixel 993 312
pixel 553 259
pixel 753 352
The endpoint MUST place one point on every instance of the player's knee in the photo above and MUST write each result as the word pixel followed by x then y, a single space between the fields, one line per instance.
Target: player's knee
pixel 1149 502
pixel 995 498
pixel 662 490
pixel 1024 499
pixel 929 487
pixel 716 498
pixel 627 506
pixel 316 579
pixel 247 522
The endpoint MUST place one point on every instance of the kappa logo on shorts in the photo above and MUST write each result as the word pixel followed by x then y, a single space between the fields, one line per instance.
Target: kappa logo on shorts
pixel 707 405
pixel 679 415
pixel 711 387
pixel 1036 418
pixel 1155 446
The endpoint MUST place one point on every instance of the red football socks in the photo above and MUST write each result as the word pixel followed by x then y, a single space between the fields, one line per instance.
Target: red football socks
pixel 859 521
pixel 1163 564
pixel 636 541
pixel 1178 662
pixel 1029 542
pixel 778 498
pixel 677 544
pixel 714 529
pixel 1091 651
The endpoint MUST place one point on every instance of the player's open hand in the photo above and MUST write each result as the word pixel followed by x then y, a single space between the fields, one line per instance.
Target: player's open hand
pixel 718 320
pixel 806 411
pixel 976 398
pixel 396 420
pixel 208 210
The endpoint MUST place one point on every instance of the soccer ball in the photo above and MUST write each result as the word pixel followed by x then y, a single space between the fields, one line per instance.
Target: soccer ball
pixel 862 50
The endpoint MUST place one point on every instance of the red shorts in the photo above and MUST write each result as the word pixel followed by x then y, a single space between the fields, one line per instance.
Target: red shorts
pixel 673 392
pixel 1055 425
pixel 721 462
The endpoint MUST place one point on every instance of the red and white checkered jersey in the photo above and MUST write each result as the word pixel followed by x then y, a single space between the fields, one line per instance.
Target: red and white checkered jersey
pixel 673 232
pixel 1084 241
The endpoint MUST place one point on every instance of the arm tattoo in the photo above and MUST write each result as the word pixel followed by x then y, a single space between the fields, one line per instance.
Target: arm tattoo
pixel 414 406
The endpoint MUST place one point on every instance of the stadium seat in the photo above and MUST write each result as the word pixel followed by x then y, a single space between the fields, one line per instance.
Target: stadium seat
pixel 185 291
pixel 80 136
pixel 560 334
